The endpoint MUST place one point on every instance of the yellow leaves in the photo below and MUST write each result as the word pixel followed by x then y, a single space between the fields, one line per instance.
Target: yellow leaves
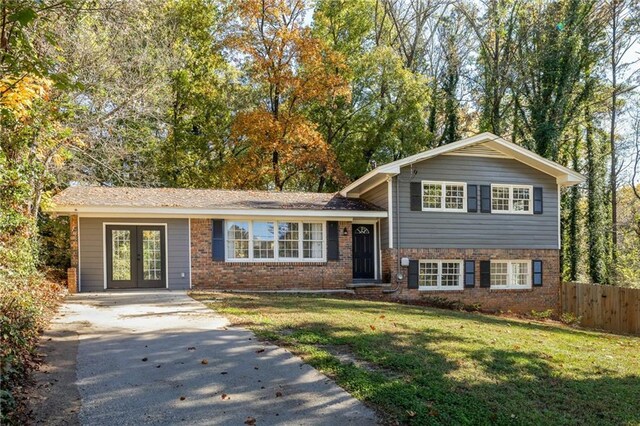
pixel 18 94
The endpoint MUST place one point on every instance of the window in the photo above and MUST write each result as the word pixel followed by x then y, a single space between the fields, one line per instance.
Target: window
pixel 275 241
pixel 238 240
pixel 510 274
pixel 288 238
pixel 263 240
pixel 444 196
pixel 440 275
pixel 312 241
pixel 511 199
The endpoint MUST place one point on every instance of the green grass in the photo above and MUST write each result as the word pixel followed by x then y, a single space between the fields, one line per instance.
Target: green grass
pixel 423 365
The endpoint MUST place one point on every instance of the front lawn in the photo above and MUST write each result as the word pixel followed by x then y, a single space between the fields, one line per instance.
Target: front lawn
pixel 432 366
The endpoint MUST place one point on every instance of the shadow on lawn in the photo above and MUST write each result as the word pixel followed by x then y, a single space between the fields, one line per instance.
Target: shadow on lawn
pixel 321 304
pixel 420 385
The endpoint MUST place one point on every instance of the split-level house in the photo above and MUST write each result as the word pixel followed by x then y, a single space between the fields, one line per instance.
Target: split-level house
pixel 476 221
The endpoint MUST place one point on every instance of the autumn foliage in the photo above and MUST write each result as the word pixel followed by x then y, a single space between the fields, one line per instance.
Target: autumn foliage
pixel 274 143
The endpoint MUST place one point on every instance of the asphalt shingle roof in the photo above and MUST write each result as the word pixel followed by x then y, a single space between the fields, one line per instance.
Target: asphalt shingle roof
pixel 96 196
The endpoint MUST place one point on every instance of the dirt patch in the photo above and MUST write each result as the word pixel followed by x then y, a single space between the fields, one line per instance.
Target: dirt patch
pixel 54 398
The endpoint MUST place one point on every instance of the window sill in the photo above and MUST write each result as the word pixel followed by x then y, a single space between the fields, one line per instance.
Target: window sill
pixel 438 289
pixel 275 262
pixel 510 288
pixel 510 212
pixel 444 210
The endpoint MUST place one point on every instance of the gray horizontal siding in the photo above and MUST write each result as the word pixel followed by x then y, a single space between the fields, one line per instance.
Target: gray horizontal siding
pixel 92 251
pixel 477 230
pixel 378 197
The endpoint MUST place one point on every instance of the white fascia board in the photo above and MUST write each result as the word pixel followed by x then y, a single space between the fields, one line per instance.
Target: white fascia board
pixel 569 177
pixel 104 211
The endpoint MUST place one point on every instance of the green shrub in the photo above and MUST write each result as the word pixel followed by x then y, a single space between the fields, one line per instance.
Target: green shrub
pixel 26 305
pixel 542 315
pixel 570 319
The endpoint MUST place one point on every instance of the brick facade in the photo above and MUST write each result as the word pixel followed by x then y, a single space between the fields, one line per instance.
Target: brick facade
pixel 517 301
pixel 209 274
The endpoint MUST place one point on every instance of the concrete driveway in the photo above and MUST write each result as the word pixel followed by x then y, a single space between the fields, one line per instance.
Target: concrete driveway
pixel 161 357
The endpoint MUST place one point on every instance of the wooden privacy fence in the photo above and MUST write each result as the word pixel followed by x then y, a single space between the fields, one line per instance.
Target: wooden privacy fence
pixel 603 307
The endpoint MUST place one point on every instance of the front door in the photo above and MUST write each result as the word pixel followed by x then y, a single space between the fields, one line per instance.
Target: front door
pixel 363 251
pixel 135 256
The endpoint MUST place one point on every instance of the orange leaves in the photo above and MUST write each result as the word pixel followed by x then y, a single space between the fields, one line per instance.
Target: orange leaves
pixel 274 143
pixel 18 94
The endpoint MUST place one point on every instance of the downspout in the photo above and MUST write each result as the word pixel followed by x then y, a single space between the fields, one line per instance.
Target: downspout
pixel 397 232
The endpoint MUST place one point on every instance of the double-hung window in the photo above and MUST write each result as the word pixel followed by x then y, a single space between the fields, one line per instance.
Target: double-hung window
pixel 444 196
pixel 275 240
pixel 440 275
pixel 511 199
pixel 510 274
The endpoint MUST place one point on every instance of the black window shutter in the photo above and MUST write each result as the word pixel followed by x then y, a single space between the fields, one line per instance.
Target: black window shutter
pixel 217 239
pixel 537 200
pixel 469 273
pixel 333 240
pixel 485 273
pixel 413 274
pixel 485 198
pixel 472 198
pixel 416 196
pixel 537 273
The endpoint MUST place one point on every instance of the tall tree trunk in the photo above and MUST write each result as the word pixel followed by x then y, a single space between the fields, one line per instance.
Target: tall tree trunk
pixel 613 174
pixel 596 213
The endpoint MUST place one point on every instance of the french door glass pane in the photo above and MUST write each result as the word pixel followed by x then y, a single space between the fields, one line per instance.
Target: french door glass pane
pixel 151 255
pixel 121 255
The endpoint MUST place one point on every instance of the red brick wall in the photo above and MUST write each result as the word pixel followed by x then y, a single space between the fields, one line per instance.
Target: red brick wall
pixel 518 301
pixel 207 274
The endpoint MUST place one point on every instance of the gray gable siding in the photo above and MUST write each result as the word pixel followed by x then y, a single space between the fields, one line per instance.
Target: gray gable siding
pixel 476 230
pixel 378 196
pixel 92 251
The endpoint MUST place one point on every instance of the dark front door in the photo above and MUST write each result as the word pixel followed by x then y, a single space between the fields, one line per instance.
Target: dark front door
pixel 363 252
pixel 135 256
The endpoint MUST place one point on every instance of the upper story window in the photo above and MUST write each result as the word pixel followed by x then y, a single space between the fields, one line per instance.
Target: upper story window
pixel 440 275
pixel 510 274
pixel 275 240
pixel 444 196
pixel 511 199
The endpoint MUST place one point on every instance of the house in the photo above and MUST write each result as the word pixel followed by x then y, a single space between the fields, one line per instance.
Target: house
pixel 477 221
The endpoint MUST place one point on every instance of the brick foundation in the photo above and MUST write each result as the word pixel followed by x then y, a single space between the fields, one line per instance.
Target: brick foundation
pixel 517 301
pixel 209 274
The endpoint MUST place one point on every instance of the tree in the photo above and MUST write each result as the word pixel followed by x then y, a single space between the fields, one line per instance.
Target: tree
pixel 496 32
pixel 557 49
pixel 623 30
pixel 203 94
pixel 596 202
pixel 289 68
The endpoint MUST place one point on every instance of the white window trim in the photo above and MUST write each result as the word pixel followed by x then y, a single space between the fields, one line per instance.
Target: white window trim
pixel 510 285
pixel 443 195
pixel 511 187
pixel 276 249
pixel 440 287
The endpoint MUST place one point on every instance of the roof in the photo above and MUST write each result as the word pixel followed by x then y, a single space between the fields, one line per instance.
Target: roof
pixel 485 144
pixel 96 199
